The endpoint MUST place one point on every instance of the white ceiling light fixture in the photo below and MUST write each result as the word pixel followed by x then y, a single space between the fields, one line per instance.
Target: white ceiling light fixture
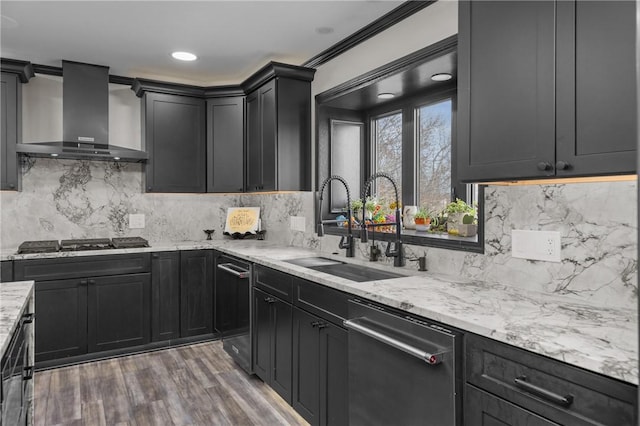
pixel 184 56
pixel 441 76
pixel 386 96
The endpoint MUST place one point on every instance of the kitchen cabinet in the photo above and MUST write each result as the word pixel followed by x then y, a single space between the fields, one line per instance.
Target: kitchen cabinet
pixel 225 144
pixel 320 370
pixel 61 329
pixel 6 271
pixel 165 296
pixel 537 93
pixel 175 138
pixel 16 369
pixel 118 311
pixel 88 304
pixel 520 387
pixel 14 74
pixel 272 329
pixel 196 292
pixel 278 129
pixel 320 361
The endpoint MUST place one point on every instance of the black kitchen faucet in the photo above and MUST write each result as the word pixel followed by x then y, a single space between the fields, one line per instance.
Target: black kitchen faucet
pixel 349 245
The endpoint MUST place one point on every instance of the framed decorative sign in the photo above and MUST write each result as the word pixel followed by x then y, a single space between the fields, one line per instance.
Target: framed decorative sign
pixel 242 220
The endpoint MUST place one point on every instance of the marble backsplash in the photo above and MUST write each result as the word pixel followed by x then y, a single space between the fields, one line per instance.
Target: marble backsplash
pixel 91 199
pixel 597 222
pixel 598 227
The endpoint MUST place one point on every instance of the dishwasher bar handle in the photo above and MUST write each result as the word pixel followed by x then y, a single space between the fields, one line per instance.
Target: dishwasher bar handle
pixel 429 358
pixel 234 270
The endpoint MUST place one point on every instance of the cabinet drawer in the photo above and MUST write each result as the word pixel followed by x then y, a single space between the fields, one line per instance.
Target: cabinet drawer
pixel 81 266
pixel 323 301
pixel 274 282
pixel 555 390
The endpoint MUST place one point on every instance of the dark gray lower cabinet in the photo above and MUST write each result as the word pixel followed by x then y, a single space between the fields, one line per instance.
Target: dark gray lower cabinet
pixel 543 388
pixel 6 271
pixel 119 311
pixel 319 370
pixel 483 409
pixel 272 342
pixel 61 325
pixel 196 292
pixel 165 296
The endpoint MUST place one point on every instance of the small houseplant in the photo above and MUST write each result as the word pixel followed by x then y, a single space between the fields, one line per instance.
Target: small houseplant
pixel 422 219
pixel 461 219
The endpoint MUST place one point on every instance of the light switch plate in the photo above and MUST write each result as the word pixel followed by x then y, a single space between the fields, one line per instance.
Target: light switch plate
pixel 536 245
pixel 136 221
pixel 298 223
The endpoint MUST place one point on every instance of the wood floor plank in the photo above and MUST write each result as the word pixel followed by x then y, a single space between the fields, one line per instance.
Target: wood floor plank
pixel 190 385
pixel 93 413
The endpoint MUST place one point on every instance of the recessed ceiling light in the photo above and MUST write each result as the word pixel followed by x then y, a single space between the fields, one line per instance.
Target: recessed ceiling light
pixel 441 76
pixel 54 155
pixel 386 96
pixel 324 30
pixel 184 56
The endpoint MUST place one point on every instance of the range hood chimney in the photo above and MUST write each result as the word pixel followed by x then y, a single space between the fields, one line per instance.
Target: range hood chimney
pixel 85 119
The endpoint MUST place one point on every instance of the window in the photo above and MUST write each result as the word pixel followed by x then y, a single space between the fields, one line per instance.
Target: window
pixel 387 153
pixel 433 123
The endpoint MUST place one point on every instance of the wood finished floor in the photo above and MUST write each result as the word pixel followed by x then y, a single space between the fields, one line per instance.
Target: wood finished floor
pixel 190 385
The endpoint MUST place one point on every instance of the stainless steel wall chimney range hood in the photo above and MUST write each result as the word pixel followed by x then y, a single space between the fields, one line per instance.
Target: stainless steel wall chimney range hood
pixel 85 119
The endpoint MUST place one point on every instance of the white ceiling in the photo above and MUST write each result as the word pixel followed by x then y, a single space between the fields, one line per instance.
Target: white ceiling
pixel 232 39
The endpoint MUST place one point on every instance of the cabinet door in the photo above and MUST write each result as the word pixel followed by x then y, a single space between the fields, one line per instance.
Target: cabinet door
pixel 196 292
pixel 254 142
pixel 119 309
pixel 176 142
pixel 281 349
pixel 61 325
pixel 334 395
pixel 6 271
pixel 225 144
pixel 306 366
pixel 506 90
pixel 319 370
pixel 165 296
pixel 261 138
pixel 597 110
pixel 269 137
pixel 484 409
pixel 10 108
pixel 262 331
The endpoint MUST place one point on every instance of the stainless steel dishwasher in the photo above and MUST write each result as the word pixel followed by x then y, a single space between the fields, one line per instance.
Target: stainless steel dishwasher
pixel 233 308
pixel 402 370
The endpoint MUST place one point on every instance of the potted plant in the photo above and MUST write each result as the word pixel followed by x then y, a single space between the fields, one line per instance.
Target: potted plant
pixel 371 206
pixel 461 219
pixel 422 219
pixel 356 206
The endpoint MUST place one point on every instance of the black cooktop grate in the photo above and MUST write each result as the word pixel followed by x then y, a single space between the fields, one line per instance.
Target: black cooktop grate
pixel 49 246
pixel 129 242
pixel 85 244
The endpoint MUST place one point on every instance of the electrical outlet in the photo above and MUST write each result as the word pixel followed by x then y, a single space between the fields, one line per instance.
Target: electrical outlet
pixel 536 245
pixel 298 223
pixel 136 221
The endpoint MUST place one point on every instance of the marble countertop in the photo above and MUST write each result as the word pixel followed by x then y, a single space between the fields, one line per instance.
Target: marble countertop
pixel 14 297
pixel 599 339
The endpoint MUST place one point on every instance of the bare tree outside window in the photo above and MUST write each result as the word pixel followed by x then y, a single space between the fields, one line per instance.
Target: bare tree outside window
pixel 434 155
pixel 388 154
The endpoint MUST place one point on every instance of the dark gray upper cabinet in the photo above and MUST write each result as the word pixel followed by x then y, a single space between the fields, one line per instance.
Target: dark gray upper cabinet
pixel 174 137
pixel 14 73
pixel 535 95
pixel 225 144
pixel 278 129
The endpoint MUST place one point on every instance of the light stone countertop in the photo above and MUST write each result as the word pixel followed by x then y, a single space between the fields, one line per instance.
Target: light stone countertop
pixel 599 339
pixel 14 297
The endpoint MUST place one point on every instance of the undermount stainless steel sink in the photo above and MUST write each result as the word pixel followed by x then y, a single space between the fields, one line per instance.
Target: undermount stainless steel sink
pixel 340 269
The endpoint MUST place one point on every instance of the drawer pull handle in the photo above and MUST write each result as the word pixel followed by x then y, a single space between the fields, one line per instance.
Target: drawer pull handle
pixel 523 384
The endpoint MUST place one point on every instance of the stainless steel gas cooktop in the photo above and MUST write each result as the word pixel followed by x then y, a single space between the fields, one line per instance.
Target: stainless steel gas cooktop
pixel 52 246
